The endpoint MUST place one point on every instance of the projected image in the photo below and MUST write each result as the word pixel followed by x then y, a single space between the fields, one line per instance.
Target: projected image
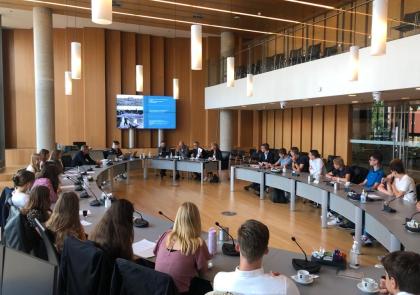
pixel 130 111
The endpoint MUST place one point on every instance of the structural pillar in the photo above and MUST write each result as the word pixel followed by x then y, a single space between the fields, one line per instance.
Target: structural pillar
pixel 131 138
pixel 161 136
pixel 227 48
pixel 44 78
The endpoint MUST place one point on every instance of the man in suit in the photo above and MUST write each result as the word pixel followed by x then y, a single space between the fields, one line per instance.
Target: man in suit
pixel 265 157
pixel 83 158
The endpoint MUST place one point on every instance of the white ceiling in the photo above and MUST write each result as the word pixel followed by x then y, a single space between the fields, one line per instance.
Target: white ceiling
pixel 22 19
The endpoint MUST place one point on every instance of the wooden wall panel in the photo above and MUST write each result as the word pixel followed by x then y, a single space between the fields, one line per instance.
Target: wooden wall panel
pixel 246 128
pixel 297 127
pixel 264 126
pixel 317 127
pixel 270 127
pixel 113 83
pixel 306 129
pixel 94 87
pixel 342 133
pixel 256 128
pixel 329 131
pixel 287 128
pixel 278 129
pixel 235 135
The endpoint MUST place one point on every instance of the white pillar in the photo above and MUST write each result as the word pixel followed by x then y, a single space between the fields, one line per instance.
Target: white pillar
pixel 227 48
pixel 131 138
pixel 161 136
pixel 226 130
pixel 44 78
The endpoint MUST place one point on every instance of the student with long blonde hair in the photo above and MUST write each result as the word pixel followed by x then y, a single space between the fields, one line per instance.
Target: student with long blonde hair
pixel 181 252
pixel 65 221
pixel 34 165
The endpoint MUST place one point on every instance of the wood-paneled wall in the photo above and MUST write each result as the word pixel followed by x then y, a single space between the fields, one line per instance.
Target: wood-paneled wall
pixel 325 128
pixel 108 68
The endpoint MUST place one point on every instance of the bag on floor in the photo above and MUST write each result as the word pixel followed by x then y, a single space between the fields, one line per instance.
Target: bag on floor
pixel 279 196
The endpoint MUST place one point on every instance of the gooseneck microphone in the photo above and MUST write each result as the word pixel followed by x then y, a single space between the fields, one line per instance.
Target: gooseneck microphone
pixel 408 219
pixel 161 213
pixel 77 184
pixel 388 208
pixel 228 249
pixel 305 264
pixel 140 222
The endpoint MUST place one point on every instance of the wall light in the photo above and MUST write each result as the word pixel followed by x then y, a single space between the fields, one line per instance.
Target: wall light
pixel 354 63
pixel 249 85
pixel 68 83
pixel 175 82
pixel 76 60
pixel 139 78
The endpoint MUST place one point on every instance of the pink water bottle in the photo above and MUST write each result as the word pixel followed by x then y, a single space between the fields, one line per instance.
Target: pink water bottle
pixel 212 241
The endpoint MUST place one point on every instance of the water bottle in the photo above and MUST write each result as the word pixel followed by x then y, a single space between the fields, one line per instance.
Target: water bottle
pixel 107 202
pixel 150 155
pixel 284 169
pixel 212 241
pixel 354 255
pixel 363 197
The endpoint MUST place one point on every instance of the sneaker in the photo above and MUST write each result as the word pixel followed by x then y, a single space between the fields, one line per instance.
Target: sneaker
pixel 366 241
pixel 334 222
pixel 330 215
pixel 247 187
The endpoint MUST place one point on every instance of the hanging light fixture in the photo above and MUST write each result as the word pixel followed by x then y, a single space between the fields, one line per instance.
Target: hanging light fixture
pixel 230 65
pixel 354 63
pixel 249 85
pixel 68 83
pixel 139 78
pixel 379 27
pixel 196 47
pixel 76 60
pixel 175 85
pixel 102 12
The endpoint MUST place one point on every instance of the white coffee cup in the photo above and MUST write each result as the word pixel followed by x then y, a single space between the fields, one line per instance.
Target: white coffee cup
pixel 369 284
pixel 303 275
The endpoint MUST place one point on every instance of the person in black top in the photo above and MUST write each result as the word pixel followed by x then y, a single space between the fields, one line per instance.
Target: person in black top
pixel 340 171
pixel 115 150
pixel 215 154
pixel 83 158
pixel 163 151
pixel 265 157
pixel 300 163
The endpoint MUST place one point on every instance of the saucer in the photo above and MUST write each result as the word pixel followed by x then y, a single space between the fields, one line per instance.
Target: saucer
pixel 360 287
pixel 310 281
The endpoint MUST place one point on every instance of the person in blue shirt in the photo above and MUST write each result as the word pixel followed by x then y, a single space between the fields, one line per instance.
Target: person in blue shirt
pixel 284 160
pixel 376 173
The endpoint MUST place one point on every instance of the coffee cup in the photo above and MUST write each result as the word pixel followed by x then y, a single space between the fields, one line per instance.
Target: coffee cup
pixel 303 275
pixel 369 284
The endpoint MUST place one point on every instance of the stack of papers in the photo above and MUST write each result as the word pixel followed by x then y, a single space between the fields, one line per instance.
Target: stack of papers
pixel 144 248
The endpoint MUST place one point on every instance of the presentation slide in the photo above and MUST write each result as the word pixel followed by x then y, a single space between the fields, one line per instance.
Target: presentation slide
pixel 146 112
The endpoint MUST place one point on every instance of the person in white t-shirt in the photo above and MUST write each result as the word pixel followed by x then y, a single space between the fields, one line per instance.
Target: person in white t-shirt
pixel 23 181
pixel 249 276
pixel 316 165
pixel 398 183
pixel 402 274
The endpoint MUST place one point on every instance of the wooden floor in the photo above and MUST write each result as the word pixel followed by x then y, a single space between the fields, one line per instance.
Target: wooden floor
pixel 155 194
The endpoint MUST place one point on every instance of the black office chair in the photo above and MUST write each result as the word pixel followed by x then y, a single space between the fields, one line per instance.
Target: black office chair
pixel 279 61
pixel 46 236
pixel 225 160
pixel 314 52
pixel 130 278
pixel 329 51
pixel 67 161
pixel 358 174
pixel 418 192
pixel 6 194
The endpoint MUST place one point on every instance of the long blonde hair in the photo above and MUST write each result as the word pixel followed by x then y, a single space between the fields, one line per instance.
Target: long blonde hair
pixel 64 220
pixel 187 229
pixel 35 162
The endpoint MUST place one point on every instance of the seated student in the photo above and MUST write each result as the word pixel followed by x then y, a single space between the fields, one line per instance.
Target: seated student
pixel 265 159
pixel 376 173
pixel 284 160
pixel 181 252
pixel 56 159
pixel 300 163
pixel 35 165
pixel 64 220
pixel 402 274
pixel 316 165
pixel 49 177
pixel 44 155
pixel 163 151
pixel 182 150
pixel 215 154
pixel 249 276
pixel 83 158
pixel 340 172
pixel 398 183
pixel 114 232
pixel 115 149
pixel 23 181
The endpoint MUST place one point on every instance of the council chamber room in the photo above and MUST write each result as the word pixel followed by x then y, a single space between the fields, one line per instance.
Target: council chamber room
pixel 258 147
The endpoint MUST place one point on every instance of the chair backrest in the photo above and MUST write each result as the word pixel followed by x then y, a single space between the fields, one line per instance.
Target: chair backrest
pixel 6 194
pixel 49 245
pixel 67 161
pixel 332 50
pixel 131 278
pixel 225 160
pixel 358 174
pixel 418 191
pixel 85 269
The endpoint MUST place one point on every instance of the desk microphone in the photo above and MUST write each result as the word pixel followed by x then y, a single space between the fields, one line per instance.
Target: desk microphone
pixel 228 249
pixel 161 213
pixel 388 208
pixel 77 183
pixel 408 219
pixel 299 264
pixel 96 202
pixel 140 222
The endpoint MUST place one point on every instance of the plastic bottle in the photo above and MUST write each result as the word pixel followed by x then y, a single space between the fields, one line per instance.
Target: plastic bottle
pixel 107 202
pixel 212 241
pixel 354 255
pixel 363 197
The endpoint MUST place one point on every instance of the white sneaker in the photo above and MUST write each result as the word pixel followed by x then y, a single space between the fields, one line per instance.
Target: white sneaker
pixel 366 241
pixel 334 222
pixel 330 215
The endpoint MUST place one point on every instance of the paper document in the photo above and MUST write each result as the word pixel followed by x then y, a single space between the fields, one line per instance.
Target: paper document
pixel 65 187
pixel 375 197
pixel 85 223
pixel 144 248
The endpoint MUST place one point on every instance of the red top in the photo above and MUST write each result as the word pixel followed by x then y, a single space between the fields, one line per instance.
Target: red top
pixel 182 268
